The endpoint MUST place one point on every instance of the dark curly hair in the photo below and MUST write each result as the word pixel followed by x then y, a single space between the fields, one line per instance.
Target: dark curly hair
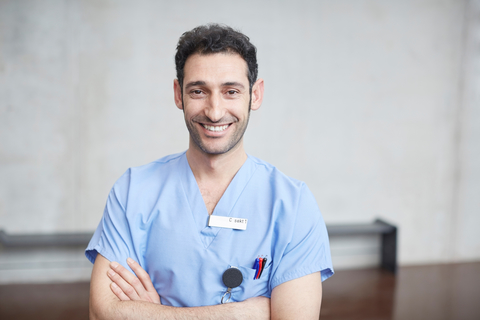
pixel 215 38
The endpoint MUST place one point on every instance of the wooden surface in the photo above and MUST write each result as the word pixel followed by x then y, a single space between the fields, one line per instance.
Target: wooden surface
pixel 44 301
pixel 440 292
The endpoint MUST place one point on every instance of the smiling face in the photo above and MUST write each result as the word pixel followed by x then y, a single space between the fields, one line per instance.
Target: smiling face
pixel 216 101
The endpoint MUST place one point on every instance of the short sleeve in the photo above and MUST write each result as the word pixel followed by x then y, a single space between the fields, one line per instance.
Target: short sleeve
pixel 308 250
pixel 112 238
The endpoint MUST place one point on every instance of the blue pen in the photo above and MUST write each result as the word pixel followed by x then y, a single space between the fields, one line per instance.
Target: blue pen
pixel 255 266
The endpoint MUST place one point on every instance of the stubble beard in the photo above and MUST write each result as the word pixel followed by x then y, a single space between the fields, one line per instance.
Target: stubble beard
pixel 232 143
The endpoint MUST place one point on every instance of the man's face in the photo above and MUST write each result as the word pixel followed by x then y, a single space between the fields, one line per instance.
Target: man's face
pixel 216 101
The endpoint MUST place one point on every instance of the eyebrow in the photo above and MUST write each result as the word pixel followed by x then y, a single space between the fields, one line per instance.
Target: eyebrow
pixel 203 83
pixel 195 83
pixel 233 84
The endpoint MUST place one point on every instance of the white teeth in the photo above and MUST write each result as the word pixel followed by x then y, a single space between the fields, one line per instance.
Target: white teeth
pixel 215 128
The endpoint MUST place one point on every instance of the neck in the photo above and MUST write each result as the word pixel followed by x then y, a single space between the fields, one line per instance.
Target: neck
pixel 219 167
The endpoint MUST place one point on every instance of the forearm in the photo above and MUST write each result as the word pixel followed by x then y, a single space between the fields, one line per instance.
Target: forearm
pixel 254 308
pixel 129 297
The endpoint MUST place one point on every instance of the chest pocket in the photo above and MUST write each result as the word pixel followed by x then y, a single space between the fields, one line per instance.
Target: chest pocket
pixel 251 287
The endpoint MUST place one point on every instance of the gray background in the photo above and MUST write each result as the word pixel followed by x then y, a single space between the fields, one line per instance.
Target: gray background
pixel 374 104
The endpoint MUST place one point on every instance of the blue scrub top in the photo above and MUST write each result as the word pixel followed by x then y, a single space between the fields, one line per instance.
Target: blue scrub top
pixel 156 215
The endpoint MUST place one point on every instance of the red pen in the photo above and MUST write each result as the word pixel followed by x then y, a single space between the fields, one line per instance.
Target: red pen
pixel 260 261
pixel 263 266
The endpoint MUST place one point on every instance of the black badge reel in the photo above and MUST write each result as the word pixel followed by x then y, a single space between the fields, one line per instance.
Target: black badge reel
pixel 232 278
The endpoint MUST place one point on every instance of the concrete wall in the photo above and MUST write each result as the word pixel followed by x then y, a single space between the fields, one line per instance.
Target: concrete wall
pixel 466 217
pixel 375 104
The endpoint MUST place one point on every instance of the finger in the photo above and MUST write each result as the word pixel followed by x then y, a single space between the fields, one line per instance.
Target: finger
pixel 141 274
pixel 124 285
pixel 129 277
pixel 118 292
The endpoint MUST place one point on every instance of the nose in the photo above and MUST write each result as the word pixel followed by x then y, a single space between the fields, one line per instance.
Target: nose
pixel 214 110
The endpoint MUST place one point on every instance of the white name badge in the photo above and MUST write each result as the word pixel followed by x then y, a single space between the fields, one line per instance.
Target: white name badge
pixel 227 222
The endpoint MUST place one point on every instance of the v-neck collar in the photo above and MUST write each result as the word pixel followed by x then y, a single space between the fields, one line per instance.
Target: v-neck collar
pixel 224 206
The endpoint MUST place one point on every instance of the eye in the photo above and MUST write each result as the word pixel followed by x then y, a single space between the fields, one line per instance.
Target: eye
pixel 232 92
pixel 196 94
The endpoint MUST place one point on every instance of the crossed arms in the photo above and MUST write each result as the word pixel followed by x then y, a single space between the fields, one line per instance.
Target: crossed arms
pixel 115 293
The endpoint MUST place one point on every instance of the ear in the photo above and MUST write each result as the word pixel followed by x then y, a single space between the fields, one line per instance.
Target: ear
pixel 257 94
pixel 177 92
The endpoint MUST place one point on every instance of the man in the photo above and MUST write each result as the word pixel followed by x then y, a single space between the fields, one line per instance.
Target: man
pixel 163 221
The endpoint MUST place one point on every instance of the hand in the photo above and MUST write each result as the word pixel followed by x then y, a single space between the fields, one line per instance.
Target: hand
pixel 127 286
